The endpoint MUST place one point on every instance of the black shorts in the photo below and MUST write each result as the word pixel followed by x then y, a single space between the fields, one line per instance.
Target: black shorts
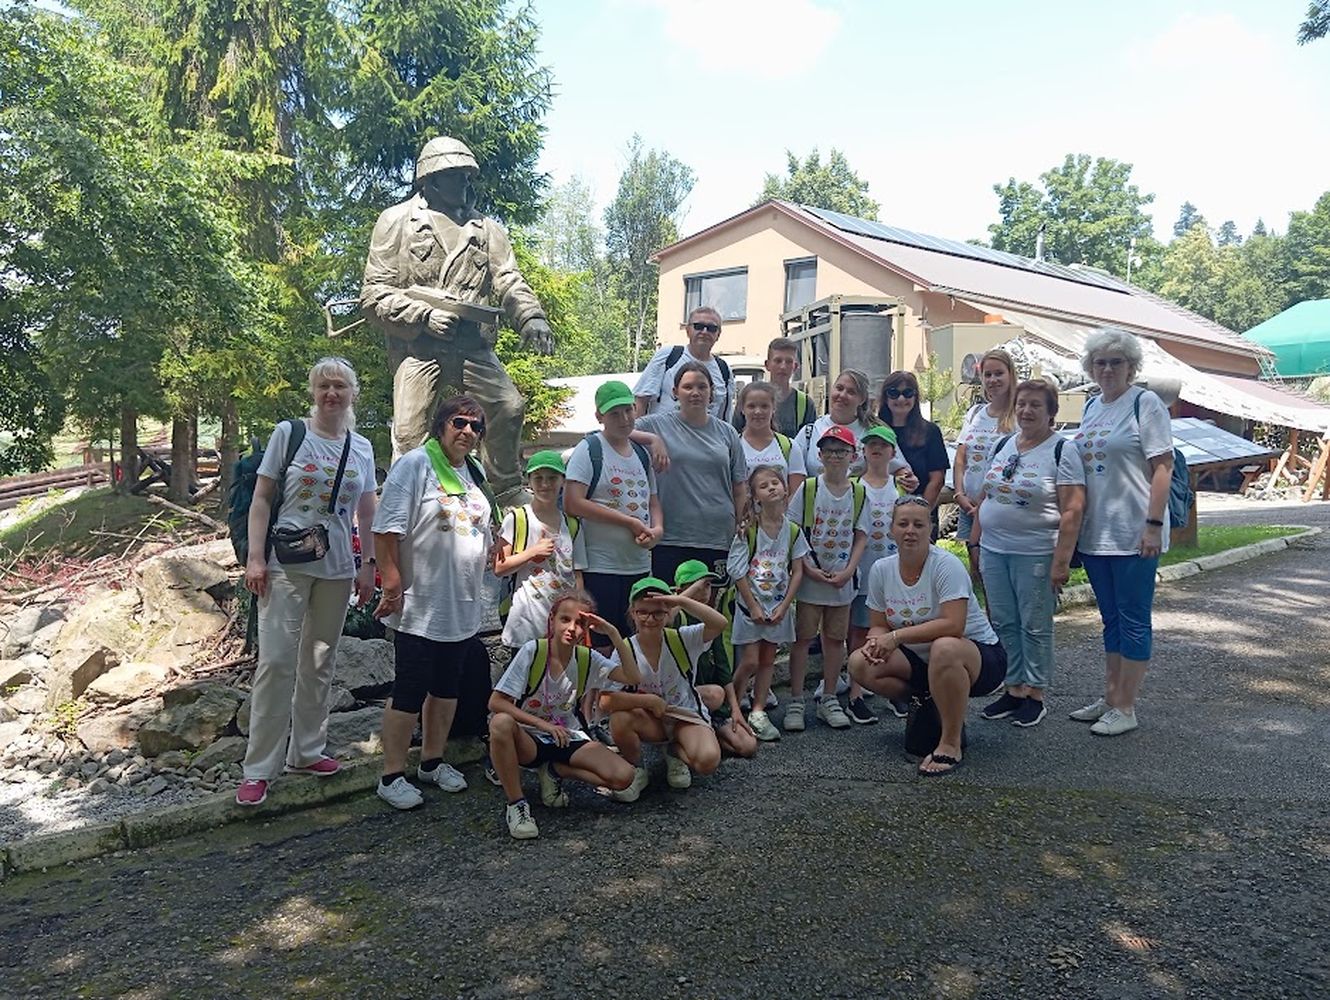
pixel 552 753
pixel 992 670
pixel 665 559
pixel 611 593
pixel 427 666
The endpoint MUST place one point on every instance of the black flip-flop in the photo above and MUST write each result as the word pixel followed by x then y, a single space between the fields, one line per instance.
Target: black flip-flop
pixel 940 758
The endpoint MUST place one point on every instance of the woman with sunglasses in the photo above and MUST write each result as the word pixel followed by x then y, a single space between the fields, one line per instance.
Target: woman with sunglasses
pixel 849 405
pixel 435 534
pixel 1126 442
pixel 928 634
pixel 1026 522
pixel 920 440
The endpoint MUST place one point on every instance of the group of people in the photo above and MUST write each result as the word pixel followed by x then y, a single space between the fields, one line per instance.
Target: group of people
pixel 657 569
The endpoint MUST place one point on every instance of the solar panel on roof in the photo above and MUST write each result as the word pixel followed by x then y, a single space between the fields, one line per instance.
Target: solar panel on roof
pixel 937 244
pixel 1202 443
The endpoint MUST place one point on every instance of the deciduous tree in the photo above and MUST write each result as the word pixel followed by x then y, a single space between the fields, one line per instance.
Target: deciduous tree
pixel 832 185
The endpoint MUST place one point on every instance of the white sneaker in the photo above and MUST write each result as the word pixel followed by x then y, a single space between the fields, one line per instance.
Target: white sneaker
pixel 677 774
pixel 760 723
pixel 794 717
pixel 631 794
pixel 445 776
pixel 520 824
pixel 1114 722
pixel 401 794
pixel 832 714
pixel 552 794
pixel 1091 712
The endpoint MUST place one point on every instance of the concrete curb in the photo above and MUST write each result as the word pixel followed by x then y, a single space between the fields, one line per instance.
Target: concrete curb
pixel 137 830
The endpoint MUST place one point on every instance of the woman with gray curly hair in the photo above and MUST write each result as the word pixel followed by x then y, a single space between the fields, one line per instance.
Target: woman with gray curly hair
pixel 1126 444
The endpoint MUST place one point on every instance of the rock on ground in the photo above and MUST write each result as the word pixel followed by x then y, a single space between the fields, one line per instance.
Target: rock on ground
pixel 190 726
pixel 71 671
pixel 118 728
pixel 227 750
pixel 364 666
pixel 127 682
pixel 19 627
pixel 355 732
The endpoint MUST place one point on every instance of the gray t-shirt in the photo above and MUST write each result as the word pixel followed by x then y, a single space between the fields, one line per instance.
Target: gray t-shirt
pixel 696 492
pixel 623 486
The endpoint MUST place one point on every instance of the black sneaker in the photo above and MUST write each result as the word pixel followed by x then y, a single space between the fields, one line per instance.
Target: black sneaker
pixel 1031 713
pixel 899 708
pixel 859 712
pixel 1002 708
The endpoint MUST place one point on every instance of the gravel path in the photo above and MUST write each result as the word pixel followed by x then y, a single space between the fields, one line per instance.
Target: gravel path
pixel 1191 858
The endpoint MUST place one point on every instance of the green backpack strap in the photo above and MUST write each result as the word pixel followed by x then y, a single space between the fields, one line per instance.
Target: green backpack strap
pixel 750 533
pixel 582 657
pixel 680 653
pixel 810 499
pixel 785 444
pixel 860 498
pixel 521 530
pixel 573 524
pixel 536 672
pixel 789 554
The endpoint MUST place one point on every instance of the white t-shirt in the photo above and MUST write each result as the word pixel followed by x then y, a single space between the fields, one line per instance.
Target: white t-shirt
pixel 443 552
pixel 307 487
pixel 805 442
pixel 944 579
pixel 772 455
pixel 537 582
pixel 625 486
pixel 1116 451
pixel 979 432
pixel 555 699
pixel 878 506
pixel 666 678
pixel 832 539
pixel 657 382
pixel 768 574
pixel 1022 516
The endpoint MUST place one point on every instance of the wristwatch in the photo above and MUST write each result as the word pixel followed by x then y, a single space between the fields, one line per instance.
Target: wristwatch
pixel 1154 522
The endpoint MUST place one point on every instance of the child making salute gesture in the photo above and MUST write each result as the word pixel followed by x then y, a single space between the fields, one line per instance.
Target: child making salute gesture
pixel 766 564
pixel 537 706
pixel 832 513
pixel 666 707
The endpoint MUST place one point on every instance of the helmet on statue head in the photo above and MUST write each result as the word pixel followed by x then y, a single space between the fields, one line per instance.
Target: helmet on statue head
pixel 444 153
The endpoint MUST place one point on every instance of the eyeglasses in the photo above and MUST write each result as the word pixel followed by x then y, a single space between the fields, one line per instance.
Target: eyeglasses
pixel 895 393
pixel 462 423
pixel 1108 362
pixel 706 328
pixel 1009 470
pixel 911 498
pixel 836 452
pixel 643 613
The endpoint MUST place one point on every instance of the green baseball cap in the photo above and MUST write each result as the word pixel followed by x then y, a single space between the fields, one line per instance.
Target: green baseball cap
pixel 691 571
pixel 612 394
pixel 648 585
pixel 882 432
pixel 546 460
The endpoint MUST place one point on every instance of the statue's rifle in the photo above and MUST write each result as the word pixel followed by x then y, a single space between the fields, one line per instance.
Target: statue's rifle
pixel 472 312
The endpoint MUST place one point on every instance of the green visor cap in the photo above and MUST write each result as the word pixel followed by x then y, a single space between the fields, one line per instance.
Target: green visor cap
pixel 648 585
pixel 546 460
pixel 691 571
pixel 881 432
pixel 613 394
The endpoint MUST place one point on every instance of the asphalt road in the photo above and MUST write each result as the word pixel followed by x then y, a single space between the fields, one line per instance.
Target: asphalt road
pixel 1190 858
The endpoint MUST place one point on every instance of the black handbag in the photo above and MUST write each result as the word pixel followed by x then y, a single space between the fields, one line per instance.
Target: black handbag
pixel 293 546
pixel 923 727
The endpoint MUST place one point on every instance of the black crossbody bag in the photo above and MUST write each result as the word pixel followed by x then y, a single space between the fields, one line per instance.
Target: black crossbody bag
pixel 292 546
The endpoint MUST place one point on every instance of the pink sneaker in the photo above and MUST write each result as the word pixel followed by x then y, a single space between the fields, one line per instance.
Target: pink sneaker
pixel 322 768
pixel 251 792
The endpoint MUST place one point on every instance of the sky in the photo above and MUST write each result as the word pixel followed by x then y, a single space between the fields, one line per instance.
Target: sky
pixel 1212 102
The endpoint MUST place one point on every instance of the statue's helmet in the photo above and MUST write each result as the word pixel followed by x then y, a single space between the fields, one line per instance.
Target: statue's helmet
pixel 444 153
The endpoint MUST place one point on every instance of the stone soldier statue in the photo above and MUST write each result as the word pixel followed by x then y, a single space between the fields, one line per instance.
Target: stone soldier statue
pixel 435 271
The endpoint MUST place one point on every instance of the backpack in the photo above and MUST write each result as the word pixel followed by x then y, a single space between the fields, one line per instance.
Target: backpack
pixel 244 480
pixel 1180 494
pixel 671 359
pixel 596 452
pixel 802 404
pixel 809 488
pixel 540 663
pixel 521 536
pixel 674 642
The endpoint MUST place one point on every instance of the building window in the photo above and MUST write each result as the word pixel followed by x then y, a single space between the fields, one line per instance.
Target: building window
pixel 800 282
pixel 724 291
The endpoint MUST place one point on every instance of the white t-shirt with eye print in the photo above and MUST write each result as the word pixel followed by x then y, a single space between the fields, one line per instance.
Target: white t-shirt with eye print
pixel 944 579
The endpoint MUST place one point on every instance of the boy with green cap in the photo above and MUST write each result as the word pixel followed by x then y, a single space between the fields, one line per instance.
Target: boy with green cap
pixel 543 551
pixel 612 488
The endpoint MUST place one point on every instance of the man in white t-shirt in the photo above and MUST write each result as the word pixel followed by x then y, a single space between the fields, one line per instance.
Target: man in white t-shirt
pixel 654 385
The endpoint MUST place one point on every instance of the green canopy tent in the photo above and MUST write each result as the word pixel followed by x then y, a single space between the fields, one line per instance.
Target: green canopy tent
pixel 1299 338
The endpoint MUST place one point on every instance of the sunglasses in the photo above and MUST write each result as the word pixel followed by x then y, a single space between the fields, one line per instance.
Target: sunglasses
pixel 706 328
pixel 1009 470
pixel 906 393
pixel 911 498
pixel 462 423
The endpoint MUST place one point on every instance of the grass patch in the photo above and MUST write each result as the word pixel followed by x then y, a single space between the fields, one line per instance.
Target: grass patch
pixel 87 527
pixel 1209 540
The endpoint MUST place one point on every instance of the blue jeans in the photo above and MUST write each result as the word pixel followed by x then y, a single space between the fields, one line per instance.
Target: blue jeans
pixel 1124 589
pixel 1021 603
pixel 964 525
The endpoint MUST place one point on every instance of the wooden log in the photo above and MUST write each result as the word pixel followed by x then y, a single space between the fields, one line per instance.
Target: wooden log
pixel 1318 470
pixel 185 511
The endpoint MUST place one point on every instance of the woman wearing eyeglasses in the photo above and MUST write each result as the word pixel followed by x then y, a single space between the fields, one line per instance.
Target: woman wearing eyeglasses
pixel 435 536
pixel 1126 442
pixel 928 634
pixel 920 441
pixel 1026 521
